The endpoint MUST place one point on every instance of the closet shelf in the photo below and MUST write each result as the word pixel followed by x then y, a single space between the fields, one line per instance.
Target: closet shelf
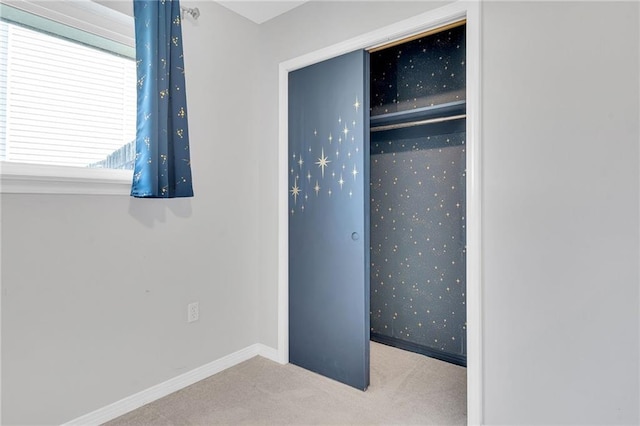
pixel 419 114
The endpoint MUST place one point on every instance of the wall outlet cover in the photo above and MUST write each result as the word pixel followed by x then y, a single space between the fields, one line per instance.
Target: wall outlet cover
pixel 193 312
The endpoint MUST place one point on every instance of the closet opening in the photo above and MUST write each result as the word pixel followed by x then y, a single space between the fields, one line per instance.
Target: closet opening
pixel 418 194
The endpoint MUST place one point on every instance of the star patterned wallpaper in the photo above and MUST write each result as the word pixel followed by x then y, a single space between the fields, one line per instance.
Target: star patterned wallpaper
pixel 417 187
pixel 418 241
pixel 424 72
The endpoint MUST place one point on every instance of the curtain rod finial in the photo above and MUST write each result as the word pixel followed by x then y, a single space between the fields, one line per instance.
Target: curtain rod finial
pixel 194 12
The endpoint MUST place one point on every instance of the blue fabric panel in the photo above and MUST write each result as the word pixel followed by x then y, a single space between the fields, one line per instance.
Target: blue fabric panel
pixel 162 165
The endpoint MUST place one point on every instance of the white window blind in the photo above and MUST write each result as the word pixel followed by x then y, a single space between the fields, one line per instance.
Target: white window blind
pixel 64 103
pixel 3 89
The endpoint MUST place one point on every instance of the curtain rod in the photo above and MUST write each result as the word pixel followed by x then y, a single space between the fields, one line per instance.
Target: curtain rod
pixel 194 12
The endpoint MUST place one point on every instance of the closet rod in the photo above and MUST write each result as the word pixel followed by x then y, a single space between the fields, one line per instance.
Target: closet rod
pixel 417 123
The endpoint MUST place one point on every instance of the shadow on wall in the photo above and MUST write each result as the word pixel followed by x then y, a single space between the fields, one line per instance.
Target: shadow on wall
pixel 149 211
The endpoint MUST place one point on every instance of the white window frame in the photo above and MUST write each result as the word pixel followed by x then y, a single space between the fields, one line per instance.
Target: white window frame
pixel 94 18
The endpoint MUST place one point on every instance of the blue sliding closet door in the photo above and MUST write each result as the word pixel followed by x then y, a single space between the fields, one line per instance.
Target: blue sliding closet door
pixel 329 218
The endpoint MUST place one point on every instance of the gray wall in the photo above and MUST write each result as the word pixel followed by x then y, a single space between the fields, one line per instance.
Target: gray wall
pixel 561 183
pixel 95 288
pixel 560 248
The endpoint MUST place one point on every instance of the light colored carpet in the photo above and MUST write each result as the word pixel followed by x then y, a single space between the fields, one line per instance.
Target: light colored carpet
pixel 406 388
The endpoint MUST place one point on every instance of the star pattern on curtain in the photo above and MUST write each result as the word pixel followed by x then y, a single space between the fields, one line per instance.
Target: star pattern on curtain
pixel 162 163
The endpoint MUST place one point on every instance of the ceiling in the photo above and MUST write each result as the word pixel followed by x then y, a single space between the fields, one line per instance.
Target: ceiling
pixel 260 11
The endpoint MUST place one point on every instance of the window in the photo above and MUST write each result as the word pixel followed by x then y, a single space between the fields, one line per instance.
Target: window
pixel 67 93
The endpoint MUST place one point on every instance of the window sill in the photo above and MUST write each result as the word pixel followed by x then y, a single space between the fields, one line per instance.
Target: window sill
pixel 18 178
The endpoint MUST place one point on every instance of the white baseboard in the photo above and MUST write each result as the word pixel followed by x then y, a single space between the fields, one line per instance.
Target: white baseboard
pixel 153 393
pixel 268 352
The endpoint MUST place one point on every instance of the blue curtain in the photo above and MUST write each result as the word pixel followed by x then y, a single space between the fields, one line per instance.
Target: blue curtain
pixel 162 164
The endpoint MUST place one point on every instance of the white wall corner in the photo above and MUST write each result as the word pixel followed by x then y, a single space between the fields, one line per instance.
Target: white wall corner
pixel 269 353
